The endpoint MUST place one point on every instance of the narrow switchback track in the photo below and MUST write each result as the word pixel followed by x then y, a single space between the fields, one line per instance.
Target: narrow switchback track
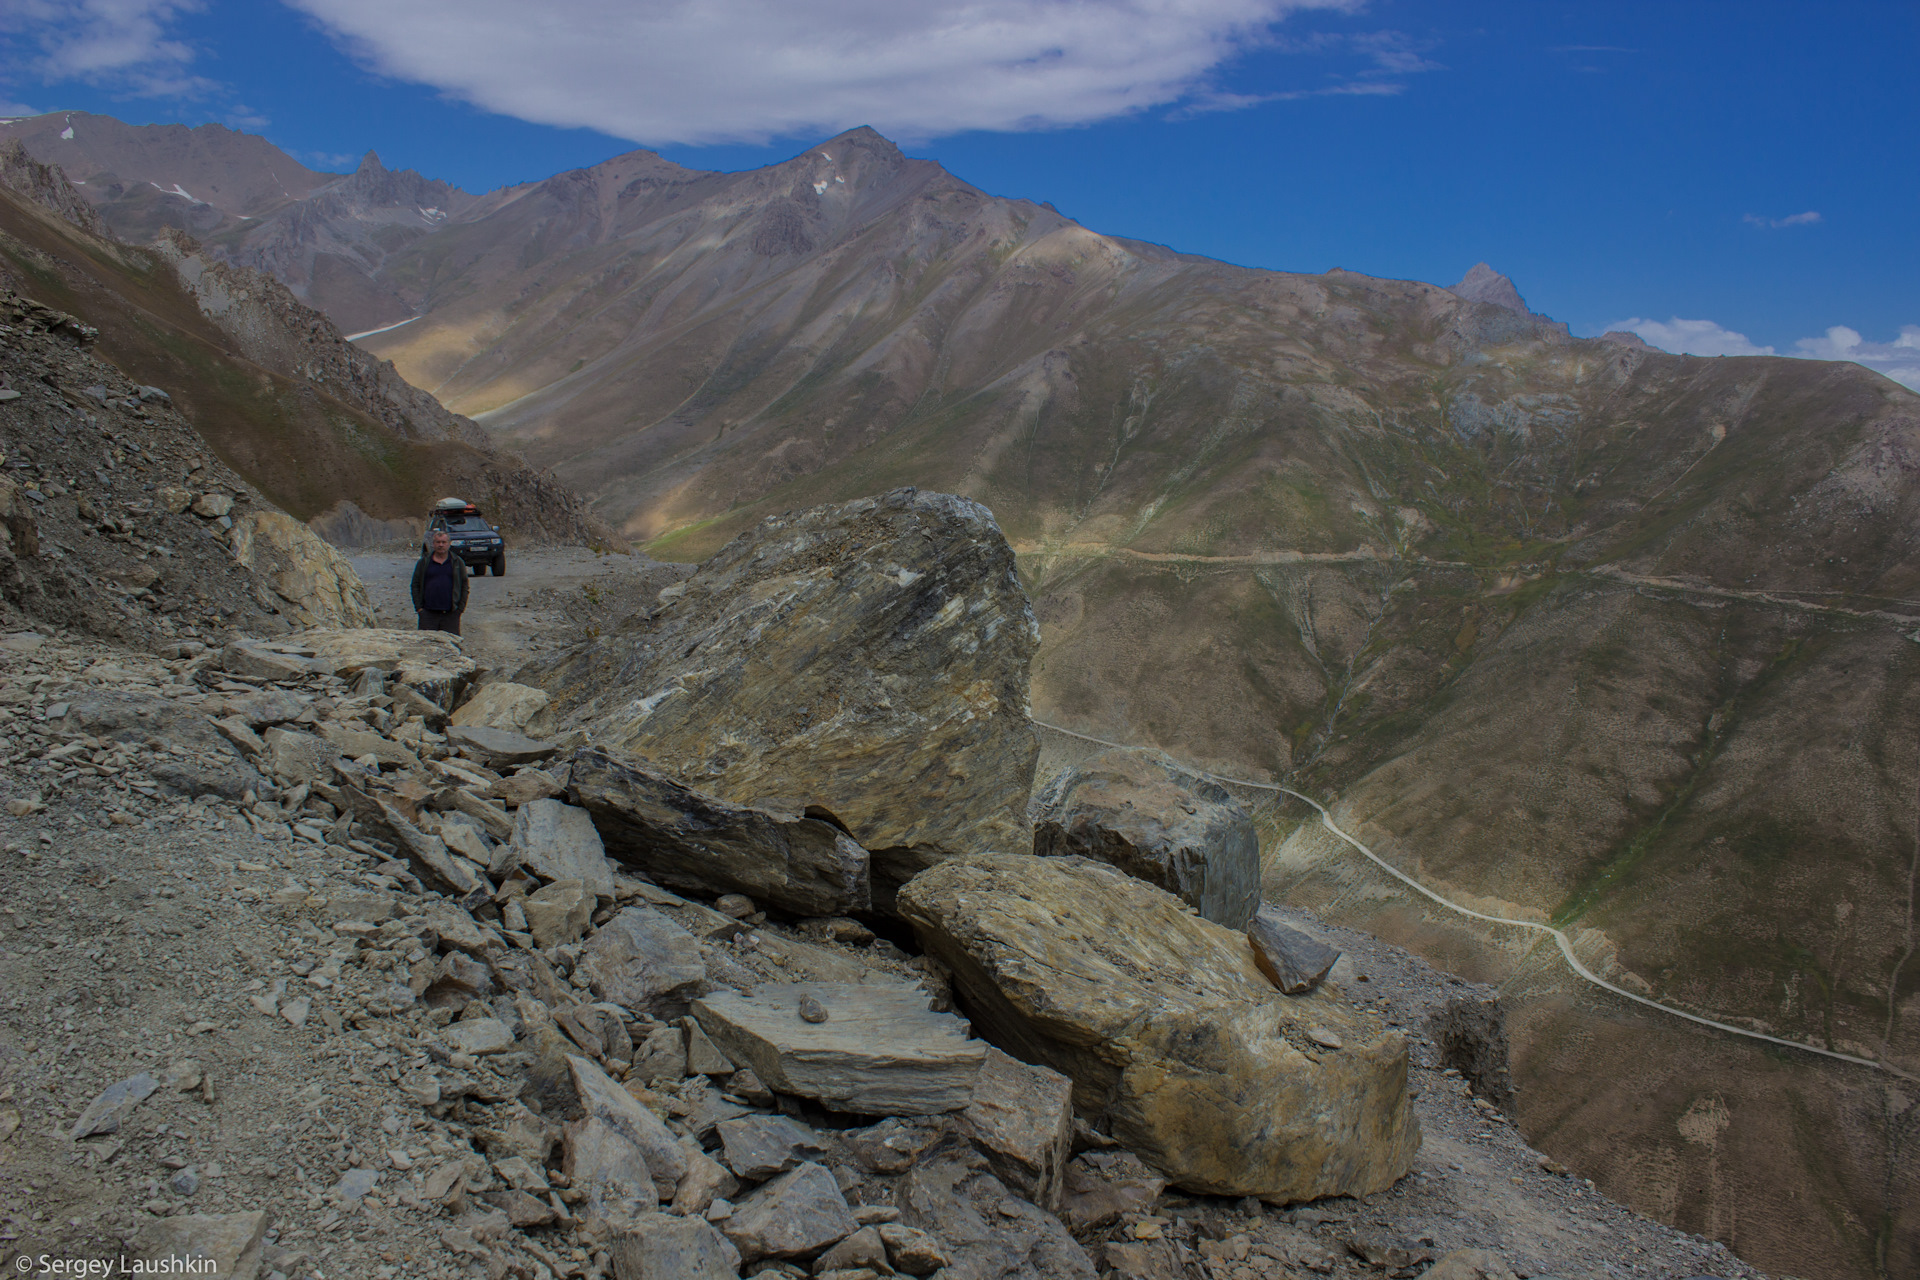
pixel 1566 946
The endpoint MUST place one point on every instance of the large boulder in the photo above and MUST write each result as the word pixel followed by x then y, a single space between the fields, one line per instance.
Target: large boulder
pixel 316 582
pixel 1139 810
pixel 1168 1029
pixel 559 842
pixel 869 657
pixel 691 840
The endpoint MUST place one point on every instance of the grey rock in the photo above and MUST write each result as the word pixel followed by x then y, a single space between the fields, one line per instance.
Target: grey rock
pixel 707 1180
pixel 989 1233
pixel 693 840
pixel 864 1248
pixel 184 1182
pixel 139 718
pixel 269 661
pixel 355 1183
pixel 495 747
pixel 229 782
pixel 479 1036
pixel 603 1100
pixel 642 960
pixel 757 1147
pixel 295 757
pixel 1021 1120
pixel 661 1056
pixel 558 842
pixel 114 1104
pixel 610 1172
pixel 558 914
pixel 881 1052
pixel 797 1213
pixel 1293 961
pixel 664 1247
pixel 912 1251
pixel 1140 811
pixel 268 707
pixel 703 1057
pixel 227 1245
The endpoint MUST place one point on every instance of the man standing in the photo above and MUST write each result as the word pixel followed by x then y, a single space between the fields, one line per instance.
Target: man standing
pixel 440 586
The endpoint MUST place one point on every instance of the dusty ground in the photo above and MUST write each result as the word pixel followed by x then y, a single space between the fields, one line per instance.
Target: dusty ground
pixel 547 594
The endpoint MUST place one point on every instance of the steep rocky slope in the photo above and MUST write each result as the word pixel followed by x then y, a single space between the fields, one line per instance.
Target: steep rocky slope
pixel 322 428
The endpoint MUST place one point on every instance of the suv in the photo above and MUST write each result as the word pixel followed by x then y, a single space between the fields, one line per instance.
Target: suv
pixel 474 540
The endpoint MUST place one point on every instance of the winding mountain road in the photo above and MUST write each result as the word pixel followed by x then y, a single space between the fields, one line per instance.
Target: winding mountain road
pixel 1566 945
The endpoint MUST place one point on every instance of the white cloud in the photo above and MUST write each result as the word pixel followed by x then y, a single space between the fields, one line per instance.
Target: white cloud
pixel 1899 359
pixel 1692 337
pixel 705 71
pixel 1807 219
pixel 124 45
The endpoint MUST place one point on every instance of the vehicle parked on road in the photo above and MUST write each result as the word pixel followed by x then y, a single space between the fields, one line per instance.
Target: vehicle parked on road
pixel 475 541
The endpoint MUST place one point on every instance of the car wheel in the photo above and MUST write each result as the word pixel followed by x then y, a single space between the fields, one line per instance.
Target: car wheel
pixel 500 565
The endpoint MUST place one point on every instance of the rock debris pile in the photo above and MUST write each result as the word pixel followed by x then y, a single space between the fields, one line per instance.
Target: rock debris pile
pixel 117 520
pixel 317 965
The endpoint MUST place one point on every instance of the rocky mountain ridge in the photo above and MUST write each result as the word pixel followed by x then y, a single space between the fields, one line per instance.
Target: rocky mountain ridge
pixel 334 434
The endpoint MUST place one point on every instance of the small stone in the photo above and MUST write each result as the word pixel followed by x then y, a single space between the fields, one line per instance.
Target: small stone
pixel 811 1010
pixel 912 1250
pixel 295 1011
pixel 355 1183
pixel 737 905
pixel 211 506
pixel 479 1036
pixel 226 1244
pixel 1324 1038
pixel 184 1183
pixel 797 1213
pixel 758 1147
pixel 115 1103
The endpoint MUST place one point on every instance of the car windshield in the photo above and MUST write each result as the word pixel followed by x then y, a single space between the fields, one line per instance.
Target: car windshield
pixel 465 524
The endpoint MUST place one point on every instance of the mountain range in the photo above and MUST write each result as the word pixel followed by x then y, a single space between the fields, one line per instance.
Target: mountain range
pixel 1573 630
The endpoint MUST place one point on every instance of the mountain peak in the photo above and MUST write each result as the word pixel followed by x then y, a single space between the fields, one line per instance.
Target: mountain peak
pixel 370 163
pixel 867 138
pixel 1484 284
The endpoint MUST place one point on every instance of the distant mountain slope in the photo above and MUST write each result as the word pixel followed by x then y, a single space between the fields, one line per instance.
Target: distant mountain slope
pixel 1573 628
pixel 312 421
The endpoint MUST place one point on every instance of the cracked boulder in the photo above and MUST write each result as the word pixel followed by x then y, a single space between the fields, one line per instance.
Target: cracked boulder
pixel 1139 810
pixel 869 658
pixel 1170 1032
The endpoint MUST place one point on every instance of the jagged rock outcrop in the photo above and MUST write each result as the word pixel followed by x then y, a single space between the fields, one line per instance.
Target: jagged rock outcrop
pixel 866 659
pixel 1170 1033
pixel 316 583
pixel 47 187
pixel 1139 810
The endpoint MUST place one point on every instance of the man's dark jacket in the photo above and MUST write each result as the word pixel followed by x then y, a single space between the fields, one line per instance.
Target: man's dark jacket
pixel 459 583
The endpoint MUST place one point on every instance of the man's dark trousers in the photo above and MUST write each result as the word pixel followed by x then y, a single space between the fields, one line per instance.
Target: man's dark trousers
pixel 439 622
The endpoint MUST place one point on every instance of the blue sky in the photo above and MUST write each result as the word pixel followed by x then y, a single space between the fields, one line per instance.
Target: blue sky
pixel 1731 176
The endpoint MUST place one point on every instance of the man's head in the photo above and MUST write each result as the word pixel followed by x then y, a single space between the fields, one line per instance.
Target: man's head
pixel 441 542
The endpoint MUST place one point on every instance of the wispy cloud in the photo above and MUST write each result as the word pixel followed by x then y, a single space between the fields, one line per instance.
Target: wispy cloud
pixel 1807 219
pixel 1692 337
pixel 708 71
pixel 1899 359
pixel 126 46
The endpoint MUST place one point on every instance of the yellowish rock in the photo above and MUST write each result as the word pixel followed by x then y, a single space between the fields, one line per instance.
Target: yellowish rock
pixel 317 583
pixel 517 708
pixel 1168 1030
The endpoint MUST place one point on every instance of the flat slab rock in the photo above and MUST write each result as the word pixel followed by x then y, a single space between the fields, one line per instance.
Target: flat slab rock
pixel 499 746
pixel 879 1052
pixel 692 840
pixel 1169 1030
